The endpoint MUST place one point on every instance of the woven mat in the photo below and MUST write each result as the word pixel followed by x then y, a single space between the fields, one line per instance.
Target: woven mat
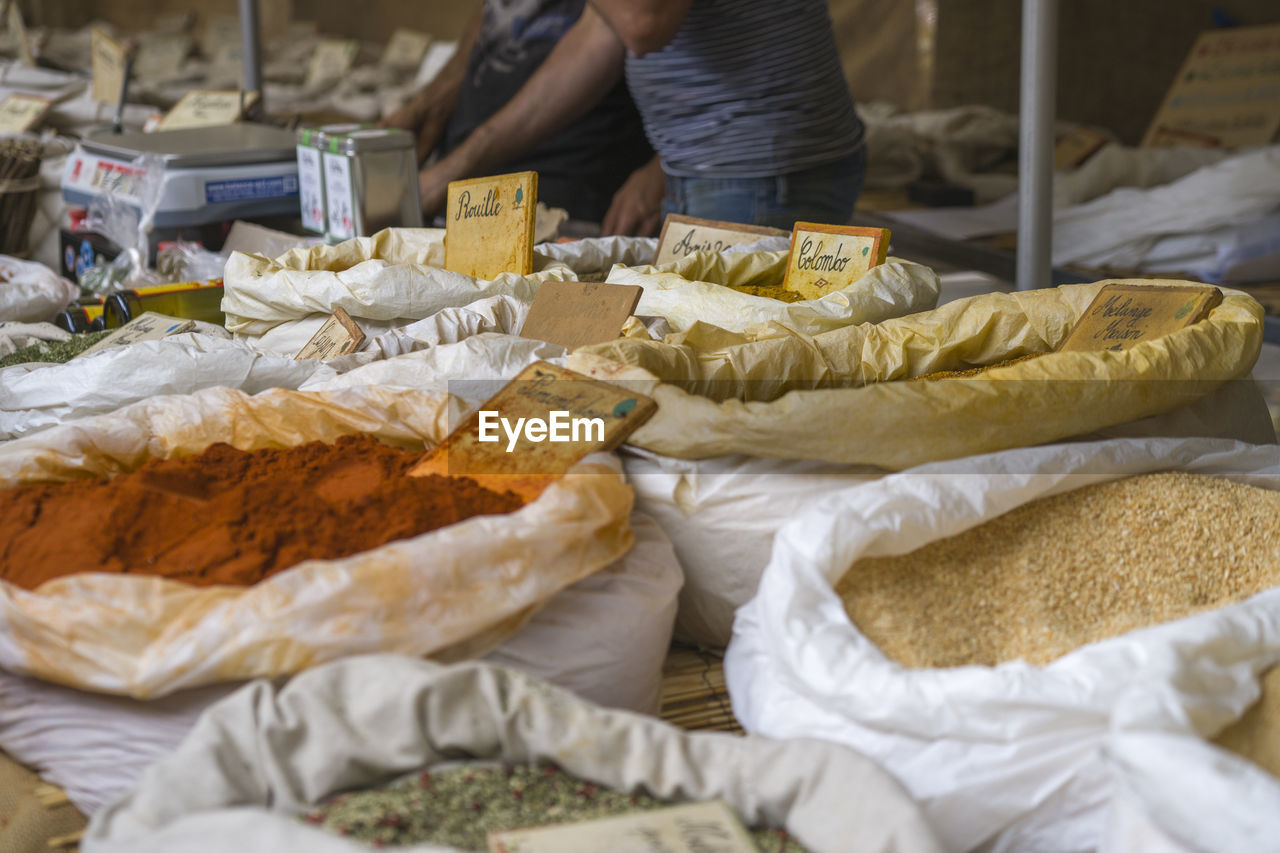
pixel 693 691
pixel 35 817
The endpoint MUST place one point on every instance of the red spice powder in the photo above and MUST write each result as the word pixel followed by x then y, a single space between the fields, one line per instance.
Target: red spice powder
pixel 228 516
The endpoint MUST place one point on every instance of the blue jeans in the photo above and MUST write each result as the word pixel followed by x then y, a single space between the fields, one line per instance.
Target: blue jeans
pixel 823 194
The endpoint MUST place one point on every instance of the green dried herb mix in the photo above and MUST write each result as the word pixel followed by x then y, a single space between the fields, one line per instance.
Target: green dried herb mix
pixel 56 352
pixel 460 805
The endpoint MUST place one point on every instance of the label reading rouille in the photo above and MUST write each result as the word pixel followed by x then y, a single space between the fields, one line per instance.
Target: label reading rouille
pixel 1122 315
pixel 489 225
pixel 826 258
pixel 694 828
pixel 683 235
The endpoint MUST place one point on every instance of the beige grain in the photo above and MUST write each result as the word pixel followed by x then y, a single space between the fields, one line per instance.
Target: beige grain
pixel 1068 570
pixel 1256 735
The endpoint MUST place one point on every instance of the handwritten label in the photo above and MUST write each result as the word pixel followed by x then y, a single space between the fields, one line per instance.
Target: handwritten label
pixel 826 258
pixel 107 61
pixel 405 49
pixel 1227 92
pixel 338 197
pixel 694 828
pixel 332 59
pixel 1122 315
pixel 18 27
pixel 207 108
pixel 489 225
pixel 20 113
pixel 683 235
pixel 574 313
pixel 528 464
pixel 149 326
pixel 338 336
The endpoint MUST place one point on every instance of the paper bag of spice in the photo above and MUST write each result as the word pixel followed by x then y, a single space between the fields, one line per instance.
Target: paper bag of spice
pixel 834 396
pixel 1060 602
pixel 465 586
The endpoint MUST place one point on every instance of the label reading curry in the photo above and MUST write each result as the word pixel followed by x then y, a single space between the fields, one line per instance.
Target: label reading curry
pixel 1122 315
pixel 489 225
pixel 827 258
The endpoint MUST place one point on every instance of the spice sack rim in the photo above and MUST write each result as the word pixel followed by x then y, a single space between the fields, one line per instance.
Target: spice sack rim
pixel 900 424
pixel 146 636
pixel 260 757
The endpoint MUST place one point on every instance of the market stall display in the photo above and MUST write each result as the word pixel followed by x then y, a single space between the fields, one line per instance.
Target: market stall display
pixel 1023 743
pixel 154 636
pixel 222 784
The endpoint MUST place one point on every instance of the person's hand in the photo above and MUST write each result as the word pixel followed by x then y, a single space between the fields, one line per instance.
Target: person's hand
pixel 424 118
pixel 636 209
pixel 433 186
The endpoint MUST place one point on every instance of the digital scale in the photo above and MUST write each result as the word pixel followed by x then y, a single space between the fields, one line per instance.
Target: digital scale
pixel 211 174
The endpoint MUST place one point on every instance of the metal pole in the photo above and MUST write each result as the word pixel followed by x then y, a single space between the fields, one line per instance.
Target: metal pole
pixel 252 52
pixel 1035 142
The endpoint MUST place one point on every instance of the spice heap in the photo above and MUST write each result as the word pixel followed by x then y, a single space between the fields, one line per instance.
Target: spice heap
pixel 768 291
pixel 1068 570
pixel 54 352
pixel 459 806
pixel 228 516
pixel 1256 735
pixel 972 371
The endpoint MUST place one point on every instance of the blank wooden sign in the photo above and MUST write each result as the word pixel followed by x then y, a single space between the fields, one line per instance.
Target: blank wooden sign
pixel 576 313
pixel 489 225
pixel 825 258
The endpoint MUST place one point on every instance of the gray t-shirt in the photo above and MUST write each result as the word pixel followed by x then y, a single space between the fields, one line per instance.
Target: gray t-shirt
pixel 748 88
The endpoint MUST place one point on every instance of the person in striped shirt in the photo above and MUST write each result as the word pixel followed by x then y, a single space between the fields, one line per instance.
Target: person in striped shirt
pixel 743 101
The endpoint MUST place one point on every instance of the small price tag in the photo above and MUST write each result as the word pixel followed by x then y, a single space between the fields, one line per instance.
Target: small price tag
pixel 338 197
pixel 207 108
pixel 338 336
pixel 575 313
pixel 332 59
pixel 18 27
pixel 20 113
pixel 831 257
pixel 406 49
pixel 683 235
pixel 489 225
pixel 108 63
pixel 536 428
pixel 695 828
pixel 149 326
pixel 1122 315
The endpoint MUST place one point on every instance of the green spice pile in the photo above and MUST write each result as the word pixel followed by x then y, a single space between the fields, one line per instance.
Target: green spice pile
pixel 1069 570
pixel 459 806
pixel 56 352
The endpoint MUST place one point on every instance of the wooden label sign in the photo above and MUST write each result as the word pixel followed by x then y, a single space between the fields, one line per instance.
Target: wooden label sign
pixel 1122 315
pixel 537 428
pixel 1076 146
pixel 107 59
pixel 1227 92
pixel 20 113
pixel 710 827
pixel 338 336
pixel 683 235
pixel 332 59
pixel 489 225
pixel 574 313
pixel 207 108
pixel 406 49
pixel 149 326
pixel 831 257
